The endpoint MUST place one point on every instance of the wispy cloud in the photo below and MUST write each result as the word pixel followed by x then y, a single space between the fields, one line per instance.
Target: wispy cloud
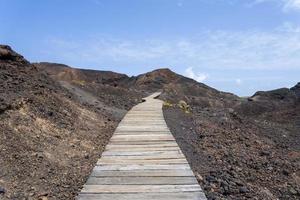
pixel 286 5
pixel 276 49
pixel 291 5
pixel 200 77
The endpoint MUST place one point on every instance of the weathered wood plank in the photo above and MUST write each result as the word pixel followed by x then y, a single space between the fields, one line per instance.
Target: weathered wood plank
pixel 141 138
pixel 139 188
pixel 147 157
pixel 144 196
pixel 141 167
pixel 136 132
pixel 147 145
pixel 142 121
pixel 143 142
pixel 141 153
pixel 187 180
pixel 141 129
pixel 114 148
pixel 154 173
pixel 146 136
pixel 134 161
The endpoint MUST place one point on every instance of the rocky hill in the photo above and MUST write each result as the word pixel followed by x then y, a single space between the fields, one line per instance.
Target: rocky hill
pixel 247 149
pixel 50 136
pixel 174 86
pixel 55 121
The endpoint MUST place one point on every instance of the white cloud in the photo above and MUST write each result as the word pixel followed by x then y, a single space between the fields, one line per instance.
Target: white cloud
pixel 200 77
pixel 286 5
pixel 275 49
pixel 291 5
pixel 289 27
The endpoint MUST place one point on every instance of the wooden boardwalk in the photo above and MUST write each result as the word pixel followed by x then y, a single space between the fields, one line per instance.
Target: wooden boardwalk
pixel 142 161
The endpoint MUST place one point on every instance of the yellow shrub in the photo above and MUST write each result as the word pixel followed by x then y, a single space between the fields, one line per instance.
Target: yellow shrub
pixel 167 104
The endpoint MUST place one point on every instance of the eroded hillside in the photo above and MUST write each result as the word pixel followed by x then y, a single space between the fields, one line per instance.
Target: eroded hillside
pixel 50 137
pixel 249 149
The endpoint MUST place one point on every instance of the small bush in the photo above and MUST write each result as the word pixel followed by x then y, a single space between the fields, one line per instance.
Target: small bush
pixel 167 104
pixel 184 106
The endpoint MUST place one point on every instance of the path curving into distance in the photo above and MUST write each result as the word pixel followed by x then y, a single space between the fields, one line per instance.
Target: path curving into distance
pixel 142 161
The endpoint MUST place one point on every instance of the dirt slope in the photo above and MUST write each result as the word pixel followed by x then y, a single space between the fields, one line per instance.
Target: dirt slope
pixel 246 150
pixel 50 137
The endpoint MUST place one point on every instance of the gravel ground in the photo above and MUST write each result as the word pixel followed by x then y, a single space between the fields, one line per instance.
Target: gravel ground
pixel 235 157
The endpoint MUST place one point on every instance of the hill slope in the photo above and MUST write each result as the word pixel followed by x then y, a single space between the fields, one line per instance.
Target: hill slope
pixel 50 137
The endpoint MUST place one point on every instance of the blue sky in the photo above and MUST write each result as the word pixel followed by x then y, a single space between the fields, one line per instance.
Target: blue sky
pixel 238 46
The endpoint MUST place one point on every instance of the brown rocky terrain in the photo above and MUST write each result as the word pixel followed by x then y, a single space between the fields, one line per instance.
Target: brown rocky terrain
pixel 247 150
pixel 55 121
pixel 51 135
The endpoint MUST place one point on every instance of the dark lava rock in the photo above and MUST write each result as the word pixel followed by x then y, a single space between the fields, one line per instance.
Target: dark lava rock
pixel 293 191
pixel 285 172
pixel 6 53
pixel 2 190
pixel 265 153
pixel 211 196
pixel 244 190
pixel 296 89
pixel 278 94
pixel 210 179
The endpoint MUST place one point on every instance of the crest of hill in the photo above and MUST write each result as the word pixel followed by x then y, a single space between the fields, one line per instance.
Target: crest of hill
pixel 66 73
pixel 175 87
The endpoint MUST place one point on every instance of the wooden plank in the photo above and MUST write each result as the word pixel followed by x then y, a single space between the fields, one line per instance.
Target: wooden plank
pixel 141 132
pixel 142 121
pixel 135 123
pixel 154 134
pixel 145 146
pixel 154 173
pixel 142 138
pixel 132 117
pixel 142 128
pixel 143 142
pixel 165 155
pixel 142 180
pixel 140 148
pixel 146 128
pixel 134 161
pixel 140 188
pixel 144 113
pixel 140 153
pixel 142 125
pixel 145 136
pixel 157 134
pixel 141 167
pixel 144 196
pixel 159 115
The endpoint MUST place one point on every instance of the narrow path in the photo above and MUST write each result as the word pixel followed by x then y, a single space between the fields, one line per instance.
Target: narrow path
pixel 142 161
